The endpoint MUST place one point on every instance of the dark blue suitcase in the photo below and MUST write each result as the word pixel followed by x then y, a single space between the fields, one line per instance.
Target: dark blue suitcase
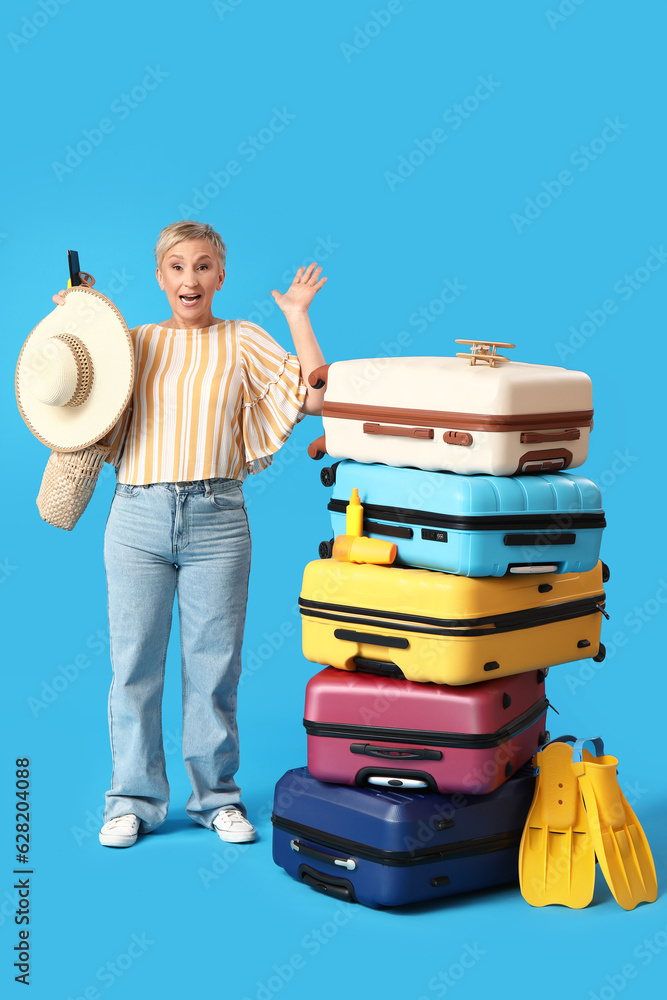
pixel 473 525
pixel 386 848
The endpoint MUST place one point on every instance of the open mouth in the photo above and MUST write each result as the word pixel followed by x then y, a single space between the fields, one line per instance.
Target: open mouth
pixel 189 300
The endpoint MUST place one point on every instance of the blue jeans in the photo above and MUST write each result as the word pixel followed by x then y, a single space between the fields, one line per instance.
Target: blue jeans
pixel 189 539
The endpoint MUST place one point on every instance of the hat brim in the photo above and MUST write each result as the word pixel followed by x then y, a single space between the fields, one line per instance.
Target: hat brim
pixel 96 321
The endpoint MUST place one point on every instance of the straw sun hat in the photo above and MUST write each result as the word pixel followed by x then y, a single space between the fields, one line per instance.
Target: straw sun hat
pixel 74 379
pixel 75 371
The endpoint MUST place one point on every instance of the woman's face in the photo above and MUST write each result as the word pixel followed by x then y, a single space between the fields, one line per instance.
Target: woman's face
pixel 190 274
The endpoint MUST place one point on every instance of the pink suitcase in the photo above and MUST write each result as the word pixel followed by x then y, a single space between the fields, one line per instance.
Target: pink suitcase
pixel 365 729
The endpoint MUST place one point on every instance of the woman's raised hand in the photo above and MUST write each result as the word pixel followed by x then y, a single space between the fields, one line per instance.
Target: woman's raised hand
pixel 302 291
pixel 59 297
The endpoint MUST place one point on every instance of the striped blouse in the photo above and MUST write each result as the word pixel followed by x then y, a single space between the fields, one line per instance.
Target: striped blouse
pixel 207 403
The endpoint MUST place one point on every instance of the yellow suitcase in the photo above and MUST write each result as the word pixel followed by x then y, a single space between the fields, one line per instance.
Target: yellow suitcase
pixel 448 629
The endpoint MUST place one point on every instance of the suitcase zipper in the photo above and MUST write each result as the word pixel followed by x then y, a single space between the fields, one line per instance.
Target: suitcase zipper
pixel 468 741
pixel 543 523
pixel 563 420
pixel 462 849
pixel 487 625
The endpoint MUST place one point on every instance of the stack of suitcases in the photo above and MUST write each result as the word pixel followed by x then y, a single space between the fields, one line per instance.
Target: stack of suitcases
pixel 432 702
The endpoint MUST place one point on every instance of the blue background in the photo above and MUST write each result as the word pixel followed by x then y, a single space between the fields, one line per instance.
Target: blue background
pixel 361 95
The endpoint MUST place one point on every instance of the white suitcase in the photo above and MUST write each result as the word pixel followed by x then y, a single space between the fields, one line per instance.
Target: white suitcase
pixel 475 413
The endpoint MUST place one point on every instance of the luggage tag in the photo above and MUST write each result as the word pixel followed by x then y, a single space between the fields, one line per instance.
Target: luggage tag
pixel 76 276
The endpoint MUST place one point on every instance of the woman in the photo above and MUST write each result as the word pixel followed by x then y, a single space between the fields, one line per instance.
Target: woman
pixel 213 400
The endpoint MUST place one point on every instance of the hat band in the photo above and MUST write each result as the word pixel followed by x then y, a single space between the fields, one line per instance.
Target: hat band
pixel 84 368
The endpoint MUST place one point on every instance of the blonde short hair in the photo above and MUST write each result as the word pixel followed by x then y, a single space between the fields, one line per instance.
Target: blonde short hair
pixel 189 230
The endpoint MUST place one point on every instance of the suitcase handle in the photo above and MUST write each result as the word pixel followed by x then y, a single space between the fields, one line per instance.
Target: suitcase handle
pixel 330 885
pixel 363 780
pixel 396 430
pixel 549 460
pixel 329 859
pixel 393 530
pixel 317 448
pixel 393 641
pixel 546 539
pixel 318 377
pixel 383 668
pixel 536 437
pixel 396 753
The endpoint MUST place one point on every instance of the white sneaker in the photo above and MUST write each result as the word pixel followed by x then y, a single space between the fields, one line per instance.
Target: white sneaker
pixel 120 832
pixel 231 825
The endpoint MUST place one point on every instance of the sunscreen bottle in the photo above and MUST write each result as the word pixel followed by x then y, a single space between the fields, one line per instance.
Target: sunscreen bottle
pixel 354 517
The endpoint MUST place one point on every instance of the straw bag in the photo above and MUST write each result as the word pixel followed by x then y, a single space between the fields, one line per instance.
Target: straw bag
pixel 74 379
pixel 68 483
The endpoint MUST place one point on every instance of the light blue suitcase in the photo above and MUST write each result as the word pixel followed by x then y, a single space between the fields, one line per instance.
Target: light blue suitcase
pixel 473 525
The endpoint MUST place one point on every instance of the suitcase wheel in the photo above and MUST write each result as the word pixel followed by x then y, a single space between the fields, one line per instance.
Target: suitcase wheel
pixel 601 653
pixel 543 738
pixel 327 476
pixel 605 572
pixel 326 549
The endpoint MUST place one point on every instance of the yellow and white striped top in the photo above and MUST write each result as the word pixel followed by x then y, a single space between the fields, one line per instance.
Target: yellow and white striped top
pixel 207 403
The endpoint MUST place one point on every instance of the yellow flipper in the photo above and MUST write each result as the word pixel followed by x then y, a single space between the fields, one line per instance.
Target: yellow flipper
pixel 556 856
pixel 621 846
